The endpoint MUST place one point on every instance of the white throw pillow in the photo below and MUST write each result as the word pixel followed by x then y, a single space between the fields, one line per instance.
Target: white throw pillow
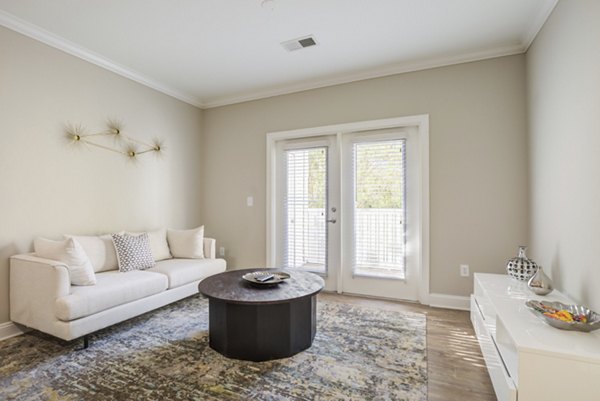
pixel 100 249
pixel 158 244
pixel 187 243
pixel 70 253
pixel 133 252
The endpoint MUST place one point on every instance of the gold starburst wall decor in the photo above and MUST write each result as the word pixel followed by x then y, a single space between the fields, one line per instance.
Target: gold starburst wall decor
pixel 121 142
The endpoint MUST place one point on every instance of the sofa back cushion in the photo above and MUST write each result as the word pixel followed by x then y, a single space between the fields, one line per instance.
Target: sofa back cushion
pixel 187 243
pixel 99 249
pixel 158 244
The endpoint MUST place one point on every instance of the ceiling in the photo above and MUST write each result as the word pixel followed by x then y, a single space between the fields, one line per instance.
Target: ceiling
pixel 215 52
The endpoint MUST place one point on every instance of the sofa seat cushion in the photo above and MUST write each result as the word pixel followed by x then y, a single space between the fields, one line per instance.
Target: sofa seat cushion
pixel 112 289
pixel 184 271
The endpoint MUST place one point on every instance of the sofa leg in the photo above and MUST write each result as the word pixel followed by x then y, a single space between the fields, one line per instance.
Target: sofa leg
pixel 86 343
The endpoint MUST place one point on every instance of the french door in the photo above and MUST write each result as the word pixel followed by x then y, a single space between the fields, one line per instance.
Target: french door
pixel 346 206
pixel 307 207
pixel 378 211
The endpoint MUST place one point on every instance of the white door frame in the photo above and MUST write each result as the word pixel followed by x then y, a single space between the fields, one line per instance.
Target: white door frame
pixel 420 122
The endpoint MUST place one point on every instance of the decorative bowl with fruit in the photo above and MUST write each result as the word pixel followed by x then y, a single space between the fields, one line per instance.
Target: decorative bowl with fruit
pixel 566 317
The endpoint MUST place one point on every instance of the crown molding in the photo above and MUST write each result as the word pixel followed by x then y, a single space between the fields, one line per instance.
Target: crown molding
pixel 33 31
pixel 538 23
pixel 369 74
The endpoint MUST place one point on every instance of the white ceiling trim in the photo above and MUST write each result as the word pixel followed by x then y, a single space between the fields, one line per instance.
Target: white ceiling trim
pixel 16 24
pixel 33 31
pixel 538 23
pixel 373 73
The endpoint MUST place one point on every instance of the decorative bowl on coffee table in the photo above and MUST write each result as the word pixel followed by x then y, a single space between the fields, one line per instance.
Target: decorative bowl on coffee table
pixel 265 278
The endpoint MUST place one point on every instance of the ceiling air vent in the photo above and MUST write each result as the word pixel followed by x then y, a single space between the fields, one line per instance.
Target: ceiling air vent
pixel 299 43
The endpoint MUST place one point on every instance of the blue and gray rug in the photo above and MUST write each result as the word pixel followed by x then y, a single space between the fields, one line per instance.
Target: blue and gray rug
pixel 359 353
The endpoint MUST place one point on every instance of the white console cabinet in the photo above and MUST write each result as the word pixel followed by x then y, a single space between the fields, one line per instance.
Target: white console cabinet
pixel 527 359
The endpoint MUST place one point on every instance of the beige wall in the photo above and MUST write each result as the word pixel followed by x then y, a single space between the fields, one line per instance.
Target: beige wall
pixel 48 188
pixel 478 152
pixel 479 197
pixel 563 71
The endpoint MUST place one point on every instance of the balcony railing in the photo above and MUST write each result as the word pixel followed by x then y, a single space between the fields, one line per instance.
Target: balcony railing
pixel 379 241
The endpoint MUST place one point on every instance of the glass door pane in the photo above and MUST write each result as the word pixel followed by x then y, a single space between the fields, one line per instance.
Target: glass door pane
pixel 379 212
pixel 305 209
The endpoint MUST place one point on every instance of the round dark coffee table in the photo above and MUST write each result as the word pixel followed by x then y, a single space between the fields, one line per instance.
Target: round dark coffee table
pixel 259 324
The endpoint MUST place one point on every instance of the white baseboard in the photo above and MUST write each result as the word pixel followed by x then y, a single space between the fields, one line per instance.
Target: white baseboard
pixel 9 329
pixel 449 301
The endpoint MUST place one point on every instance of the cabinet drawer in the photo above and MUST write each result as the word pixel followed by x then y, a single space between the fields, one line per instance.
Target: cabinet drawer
pixel 503 384
pixel 485 306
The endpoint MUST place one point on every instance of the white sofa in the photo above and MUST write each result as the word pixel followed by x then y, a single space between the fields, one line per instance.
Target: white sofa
pixel 42 297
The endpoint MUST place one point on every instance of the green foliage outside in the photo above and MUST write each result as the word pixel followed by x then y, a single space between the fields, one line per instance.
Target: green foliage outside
pixel 317 178
pixel 379 176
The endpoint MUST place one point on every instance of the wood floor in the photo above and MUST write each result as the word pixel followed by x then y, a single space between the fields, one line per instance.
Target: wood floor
pixel 456 368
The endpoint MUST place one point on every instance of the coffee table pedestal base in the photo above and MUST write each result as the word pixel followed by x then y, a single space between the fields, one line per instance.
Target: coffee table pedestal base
pixel 261 332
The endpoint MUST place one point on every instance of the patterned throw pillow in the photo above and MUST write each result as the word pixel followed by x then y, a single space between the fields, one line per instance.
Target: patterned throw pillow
pixel 133 252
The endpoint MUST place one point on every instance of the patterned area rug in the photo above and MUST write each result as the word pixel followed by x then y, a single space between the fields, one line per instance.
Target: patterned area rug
pixel 359 353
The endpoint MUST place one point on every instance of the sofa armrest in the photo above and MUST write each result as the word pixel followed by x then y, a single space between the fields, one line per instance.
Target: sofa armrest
pixel 35 284
pixel 210 248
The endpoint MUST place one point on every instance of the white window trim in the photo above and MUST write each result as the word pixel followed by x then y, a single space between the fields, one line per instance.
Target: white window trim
pixel 420 122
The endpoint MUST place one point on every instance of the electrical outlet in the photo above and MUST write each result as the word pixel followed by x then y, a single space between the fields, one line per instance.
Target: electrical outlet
pixel 464 270
pixel 250 201
pixel 222 251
